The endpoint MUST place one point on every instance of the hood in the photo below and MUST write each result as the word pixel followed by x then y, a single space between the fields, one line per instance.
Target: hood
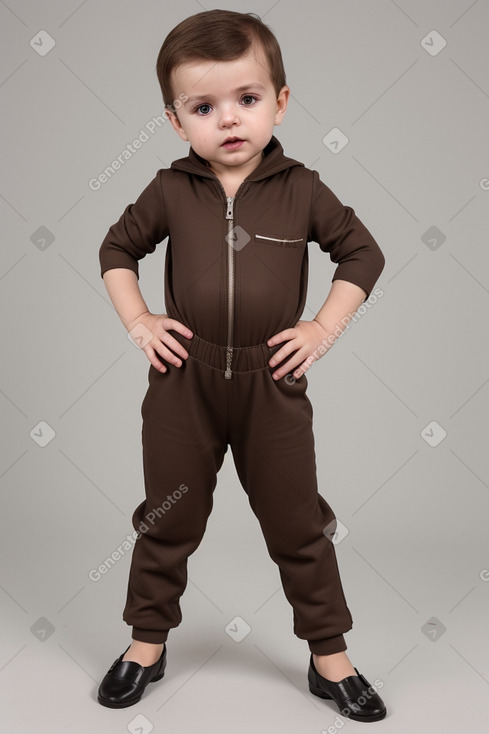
pixel 273 160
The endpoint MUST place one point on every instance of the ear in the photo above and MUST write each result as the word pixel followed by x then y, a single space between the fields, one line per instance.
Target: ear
pixel 282 101
pixel 176 123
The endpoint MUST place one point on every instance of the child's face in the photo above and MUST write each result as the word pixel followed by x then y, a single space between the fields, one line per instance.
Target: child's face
pixel 228 99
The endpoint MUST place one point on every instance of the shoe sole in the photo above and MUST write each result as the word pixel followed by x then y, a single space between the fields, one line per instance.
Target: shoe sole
pixel 372 717
pixel 125 704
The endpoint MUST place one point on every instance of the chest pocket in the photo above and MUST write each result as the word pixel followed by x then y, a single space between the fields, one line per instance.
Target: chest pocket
pixel 279 241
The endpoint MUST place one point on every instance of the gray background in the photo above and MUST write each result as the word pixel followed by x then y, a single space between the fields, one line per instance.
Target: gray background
pixel 416 551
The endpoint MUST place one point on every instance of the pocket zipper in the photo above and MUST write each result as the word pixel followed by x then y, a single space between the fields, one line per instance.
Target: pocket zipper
pixel 276 239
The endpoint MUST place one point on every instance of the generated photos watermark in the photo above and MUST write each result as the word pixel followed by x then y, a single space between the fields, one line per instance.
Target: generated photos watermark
pixel 96 573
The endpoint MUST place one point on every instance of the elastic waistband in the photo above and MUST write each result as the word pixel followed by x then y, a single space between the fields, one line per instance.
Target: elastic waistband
pixel 244 359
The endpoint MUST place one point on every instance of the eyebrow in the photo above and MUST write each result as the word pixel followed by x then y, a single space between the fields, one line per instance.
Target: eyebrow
pixel 253 85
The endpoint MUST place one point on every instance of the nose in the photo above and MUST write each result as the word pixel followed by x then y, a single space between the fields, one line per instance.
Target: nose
pixel 228 115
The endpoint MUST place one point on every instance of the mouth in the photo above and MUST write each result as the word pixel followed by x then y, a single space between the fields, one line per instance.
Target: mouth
pixel 233 142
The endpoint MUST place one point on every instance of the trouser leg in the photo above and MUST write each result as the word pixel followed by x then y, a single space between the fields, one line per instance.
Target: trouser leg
pixel 183 450
pixel 273 448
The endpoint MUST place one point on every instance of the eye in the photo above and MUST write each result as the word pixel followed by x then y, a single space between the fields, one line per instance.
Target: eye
pixel 205 105
pixel 249 96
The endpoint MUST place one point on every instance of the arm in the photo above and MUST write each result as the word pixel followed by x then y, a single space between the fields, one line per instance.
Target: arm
pixel 312 339
pixel 360 260
pixel 123 289
pixel 342 302
pixel 339 232
pixel 140 228
pixel 153 333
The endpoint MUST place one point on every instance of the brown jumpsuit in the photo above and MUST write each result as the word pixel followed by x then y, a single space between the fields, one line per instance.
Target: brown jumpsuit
pixel 236 273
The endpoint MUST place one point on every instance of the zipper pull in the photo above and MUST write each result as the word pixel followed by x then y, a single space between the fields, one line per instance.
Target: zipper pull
pixel 229 355
pixel 229 212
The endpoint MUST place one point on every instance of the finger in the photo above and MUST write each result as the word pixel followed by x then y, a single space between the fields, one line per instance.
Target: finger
pixel 175 345
pixel 154 355
pixel 307 363
pixel 281 337
pixel 168 355
pixel 282 353
pixel 286 368
pixel 157 364
pixel 178 326
pixel 302 369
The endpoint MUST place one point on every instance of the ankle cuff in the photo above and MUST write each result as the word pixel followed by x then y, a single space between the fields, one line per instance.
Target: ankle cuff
pixel 154 636
pixel 328 645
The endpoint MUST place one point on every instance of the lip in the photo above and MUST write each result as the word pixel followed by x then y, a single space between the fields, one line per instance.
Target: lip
pixel 233 143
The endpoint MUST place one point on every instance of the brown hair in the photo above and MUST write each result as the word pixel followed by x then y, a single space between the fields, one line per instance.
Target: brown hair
pixel 216 35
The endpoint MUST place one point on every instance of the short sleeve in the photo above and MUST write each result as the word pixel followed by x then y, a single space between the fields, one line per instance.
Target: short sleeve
pixel 338 231
pixel 139 229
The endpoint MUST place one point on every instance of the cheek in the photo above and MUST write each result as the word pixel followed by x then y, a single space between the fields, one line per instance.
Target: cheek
pixel 198 126
pixel 267 112
pixel 200 135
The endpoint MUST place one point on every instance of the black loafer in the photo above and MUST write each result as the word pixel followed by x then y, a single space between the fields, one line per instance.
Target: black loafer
pixel 355 697
pixel 125 681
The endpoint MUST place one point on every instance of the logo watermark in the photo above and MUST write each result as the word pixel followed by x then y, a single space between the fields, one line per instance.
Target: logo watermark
pixel 328 341
pixel 354 707
pixel 96 573
pixel 95 184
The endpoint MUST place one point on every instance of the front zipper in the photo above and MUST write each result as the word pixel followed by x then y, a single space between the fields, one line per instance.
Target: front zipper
pixel 229 349
pixel 230 219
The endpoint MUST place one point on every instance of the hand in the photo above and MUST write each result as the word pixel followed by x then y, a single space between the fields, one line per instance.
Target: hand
pixel 154 338
pixel 304 339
